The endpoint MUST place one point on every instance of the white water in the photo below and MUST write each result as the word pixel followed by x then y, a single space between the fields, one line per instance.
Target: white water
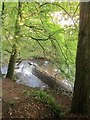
pixel 24 73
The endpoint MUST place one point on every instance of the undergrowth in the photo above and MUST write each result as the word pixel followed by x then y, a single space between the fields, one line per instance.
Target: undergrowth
pixel 45 98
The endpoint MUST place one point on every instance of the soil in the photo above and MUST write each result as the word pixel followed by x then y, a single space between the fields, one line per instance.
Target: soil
pixel 17 105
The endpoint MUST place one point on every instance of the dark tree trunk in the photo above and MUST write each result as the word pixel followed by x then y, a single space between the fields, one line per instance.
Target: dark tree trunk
pixel 81 95
pixel 2 8
pixel 11 65
pixel 12 61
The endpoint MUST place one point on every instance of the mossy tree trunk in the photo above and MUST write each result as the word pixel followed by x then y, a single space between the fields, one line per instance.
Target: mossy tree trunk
pixel 12 61
pixel 81 95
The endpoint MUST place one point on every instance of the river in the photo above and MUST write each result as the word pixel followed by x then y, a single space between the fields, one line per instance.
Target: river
pixel 24 73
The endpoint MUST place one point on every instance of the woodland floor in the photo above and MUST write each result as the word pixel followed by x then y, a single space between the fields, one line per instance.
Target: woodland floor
pixel 17 105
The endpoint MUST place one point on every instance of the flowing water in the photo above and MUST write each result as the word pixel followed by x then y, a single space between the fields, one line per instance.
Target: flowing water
pixel 24 73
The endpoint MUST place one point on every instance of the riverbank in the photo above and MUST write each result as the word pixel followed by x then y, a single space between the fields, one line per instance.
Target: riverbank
pixel 19 102
pixel 16 103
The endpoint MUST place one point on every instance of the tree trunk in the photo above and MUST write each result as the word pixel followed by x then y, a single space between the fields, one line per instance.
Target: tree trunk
pixel 81 95
pixel 11 65
pixel 12 61
pixel 2 8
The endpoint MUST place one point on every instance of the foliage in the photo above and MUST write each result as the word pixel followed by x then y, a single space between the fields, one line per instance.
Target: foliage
pixel 47 99
pixel 41 33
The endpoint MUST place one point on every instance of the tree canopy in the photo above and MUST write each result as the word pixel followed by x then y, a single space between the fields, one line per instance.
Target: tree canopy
pixel 46 29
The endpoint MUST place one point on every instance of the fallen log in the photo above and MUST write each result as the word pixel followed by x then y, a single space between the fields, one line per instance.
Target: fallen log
pixel 52 82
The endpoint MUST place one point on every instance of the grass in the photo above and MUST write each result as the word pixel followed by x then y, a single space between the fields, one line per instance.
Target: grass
pixel 45 98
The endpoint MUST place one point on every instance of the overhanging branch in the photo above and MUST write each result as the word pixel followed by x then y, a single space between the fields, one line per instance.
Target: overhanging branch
pixel 54 3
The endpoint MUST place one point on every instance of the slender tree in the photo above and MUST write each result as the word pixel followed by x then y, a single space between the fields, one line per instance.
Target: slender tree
pixel 2 8
pixel 81 95
pixel 12 61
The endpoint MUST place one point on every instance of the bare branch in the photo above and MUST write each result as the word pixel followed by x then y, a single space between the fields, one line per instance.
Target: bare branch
pixel 8 51
pixel 41 47
pixel 76 10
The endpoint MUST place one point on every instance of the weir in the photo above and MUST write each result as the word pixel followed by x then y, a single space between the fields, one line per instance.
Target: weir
pixel 40 76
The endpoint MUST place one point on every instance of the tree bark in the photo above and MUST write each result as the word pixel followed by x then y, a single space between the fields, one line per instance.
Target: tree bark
pixel 12 61
pixel 2 8
pixel 81 95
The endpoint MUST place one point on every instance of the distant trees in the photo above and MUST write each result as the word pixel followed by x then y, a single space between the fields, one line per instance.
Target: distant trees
pixel 81 95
